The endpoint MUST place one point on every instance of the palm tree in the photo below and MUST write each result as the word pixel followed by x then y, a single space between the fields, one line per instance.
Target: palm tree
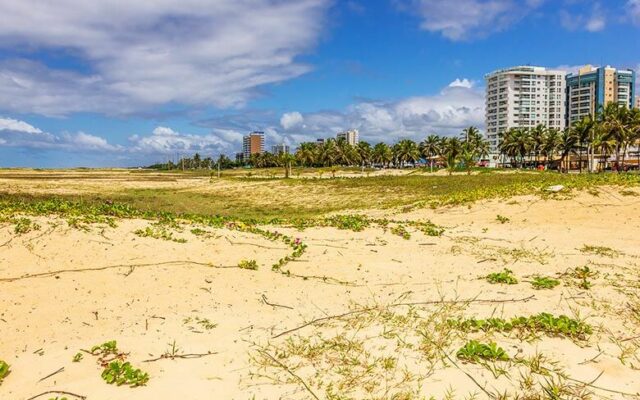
pixel 286 160
pixel 364 153
pixel 567 144
pixel 550 145
pixel 516 142
pixel 382 154
pixel 429 148
pixel 538 135
pixel 583 130
pixel 613 119
pixel 450 150
pixel 306 154
pixel 405 151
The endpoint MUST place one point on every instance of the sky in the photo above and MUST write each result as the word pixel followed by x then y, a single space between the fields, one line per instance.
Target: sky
pixel 127 83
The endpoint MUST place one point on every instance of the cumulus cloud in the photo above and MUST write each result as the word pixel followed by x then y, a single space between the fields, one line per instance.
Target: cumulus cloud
pixel 291 120
pixel 595 21
pixel 9 124
pixel 457 106
pixel 146 53
pixel 164 140
pixel 15 133
pixel 468 19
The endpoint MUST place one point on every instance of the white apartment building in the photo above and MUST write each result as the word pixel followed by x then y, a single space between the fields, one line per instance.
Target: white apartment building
pixel 523 97
pixel 351 136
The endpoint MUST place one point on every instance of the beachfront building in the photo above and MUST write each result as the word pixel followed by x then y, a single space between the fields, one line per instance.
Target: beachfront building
pixel 522 97
pixel 637 101
pixel 592 88
pixel 280 149
pixel 351 136
pixel 252 143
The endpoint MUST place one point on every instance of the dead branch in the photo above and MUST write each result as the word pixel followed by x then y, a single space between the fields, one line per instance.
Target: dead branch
pixel 52 374
pixel 281 365
pixel 78 396
pixel 168 356
pixel 130 266
pixel 418 303
pixel 264 299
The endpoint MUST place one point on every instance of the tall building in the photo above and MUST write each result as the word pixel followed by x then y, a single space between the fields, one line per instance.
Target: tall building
pixel 351 136
pixel 637 101
pixel 523 97
pixel 253 143
pixel 280 149
pixel 592 88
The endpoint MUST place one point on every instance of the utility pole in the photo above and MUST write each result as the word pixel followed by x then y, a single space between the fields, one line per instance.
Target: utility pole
pixel 219 159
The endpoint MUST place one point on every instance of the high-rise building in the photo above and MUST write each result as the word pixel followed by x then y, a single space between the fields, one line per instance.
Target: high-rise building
pixel 592 88
pixel 253 143
pixel 637 101
pixel 280 149
pixel 523 97
pixel 351 136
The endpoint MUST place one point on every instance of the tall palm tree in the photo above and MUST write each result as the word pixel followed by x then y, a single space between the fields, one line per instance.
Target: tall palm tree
pixel 382 154
pixel 613 118
pixel 550 145
pixel 516 143
pixel 306 154
pixel 364 153
pixel 538 136
pixel 429 148
pixel 566 145
pixel 286 160
pixel 583 130
pixel 406 151
pixel 450 150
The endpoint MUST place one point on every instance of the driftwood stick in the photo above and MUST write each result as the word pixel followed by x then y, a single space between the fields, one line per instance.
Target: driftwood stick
pixel 183 356
pixel 418 303
pixel 264 299
pixel 78 396
pixel 52 374
pixel 281 365
pixel 130 266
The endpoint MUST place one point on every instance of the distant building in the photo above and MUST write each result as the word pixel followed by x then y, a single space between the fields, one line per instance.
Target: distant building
pixel 252 143
pixel 280 149
pixel 592 88
pixel 320 141
pixel 637 101
pixel 351 136
pixel 523 97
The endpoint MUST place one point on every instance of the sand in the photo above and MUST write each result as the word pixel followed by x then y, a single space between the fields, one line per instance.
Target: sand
pixel 146 293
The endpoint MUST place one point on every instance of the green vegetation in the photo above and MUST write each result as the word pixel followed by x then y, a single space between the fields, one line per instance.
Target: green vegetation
pixel 541 323
pixel 401 231
pixel 158 232
pixel 105 349
pixel 5 369
pixel 502 219
pixel 25 225
pixel 301 198
pixel 600 251
pixel 474 351
pixel 248 264
pixel 77 357
pixel 581 277
pixel 122 373
pixel 544 282
pixel 202 322
pixel 505 277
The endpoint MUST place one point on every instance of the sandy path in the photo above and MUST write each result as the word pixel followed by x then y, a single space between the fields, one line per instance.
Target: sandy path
pixel 45 320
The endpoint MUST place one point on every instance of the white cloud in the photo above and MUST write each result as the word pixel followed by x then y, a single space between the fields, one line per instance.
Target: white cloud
pixel 465 83
pixel 447 113
pixel 291 120
pixel 147 53
pixel 633 7
pixel 15 133
pixel 8 124
pixel 468 19
pixel 595 21
pixel 165 140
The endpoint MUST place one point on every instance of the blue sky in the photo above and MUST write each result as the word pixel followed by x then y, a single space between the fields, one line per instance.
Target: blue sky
pixel 113 83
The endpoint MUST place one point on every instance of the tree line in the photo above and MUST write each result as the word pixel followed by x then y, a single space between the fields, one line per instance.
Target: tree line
pixel 612 132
